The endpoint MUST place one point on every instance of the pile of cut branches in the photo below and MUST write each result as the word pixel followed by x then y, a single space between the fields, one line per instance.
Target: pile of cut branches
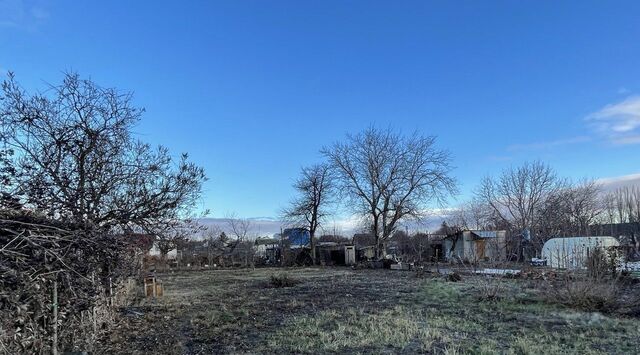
pixel 55 280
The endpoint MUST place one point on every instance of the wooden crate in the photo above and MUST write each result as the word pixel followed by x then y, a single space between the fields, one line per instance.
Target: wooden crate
pixel 153 287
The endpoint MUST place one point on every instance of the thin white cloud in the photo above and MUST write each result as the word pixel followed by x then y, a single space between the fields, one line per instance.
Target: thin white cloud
pixel 549 144
pixel 619 123
pixel 627 140
pixel 22 14
pixel 612 183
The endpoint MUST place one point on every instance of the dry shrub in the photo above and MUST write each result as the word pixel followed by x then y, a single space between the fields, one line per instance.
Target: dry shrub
pixel 587 295
pixel 454 277
pixel 601 263
pixel 282 280
pixel 612 294
pixel 600 289
pixel 491 289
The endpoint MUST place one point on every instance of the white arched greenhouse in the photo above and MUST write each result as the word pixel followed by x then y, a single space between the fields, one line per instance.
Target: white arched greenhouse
pixel 573 252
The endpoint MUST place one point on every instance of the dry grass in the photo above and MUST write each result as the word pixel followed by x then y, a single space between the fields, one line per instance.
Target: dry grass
pixel 349 330
pixel 338 310
pixel 282 280
pixel 586 295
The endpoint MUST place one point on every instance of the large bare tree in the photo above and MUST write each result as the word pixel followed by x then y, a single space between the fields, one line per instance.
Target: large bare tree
pixel 388 177
pixel 572 209
pixel 314 189
pixel 518 194
pixel 76 158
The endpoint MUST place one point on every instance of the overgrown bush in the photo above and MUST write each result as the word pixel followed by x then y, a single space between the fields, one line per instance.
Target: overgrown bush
pixel 282 280
pixel 601 263
pixel 605 294
pixel 586 295
pixel 600 289
pixel 76 186
pixel 491 289
pixel 453 277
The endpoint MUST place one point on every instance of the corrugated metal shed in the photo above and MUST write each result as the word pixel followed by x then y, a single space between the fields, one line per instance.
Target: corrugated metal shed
pixel 485 234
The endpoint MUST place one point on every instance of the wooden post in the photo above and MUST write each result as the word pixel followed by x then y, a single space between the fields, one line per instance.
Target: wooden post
pixel 110 293
pixel 93 309
pixel 281 247
pixel 54 305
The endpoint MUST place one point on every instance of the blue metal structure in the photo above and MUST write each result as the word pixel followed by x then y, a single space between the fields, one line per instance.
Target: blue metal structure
pixel 297 237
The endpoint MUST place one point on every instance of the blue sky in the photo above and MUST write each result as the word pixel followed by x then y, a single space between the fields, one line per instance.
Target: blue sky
pixel 253 89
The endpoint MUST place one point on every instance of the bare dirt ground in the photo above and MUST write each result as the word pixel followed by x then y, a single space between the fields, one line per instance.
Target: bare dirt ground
pixel 340 310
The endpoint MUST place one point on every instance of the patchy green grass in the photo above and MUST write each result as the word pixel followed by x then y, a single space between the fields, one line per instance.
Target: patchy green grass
pixel 520 324
pixel 349 329
pixel 362 311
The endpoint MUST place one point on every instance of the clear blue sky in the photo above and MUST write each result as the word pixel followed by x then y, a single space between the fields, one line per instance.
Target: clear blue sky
pixel 253 89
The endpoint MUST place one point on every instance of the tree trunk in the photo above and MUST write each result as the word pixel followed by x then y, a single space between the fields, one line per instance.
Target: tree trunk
pixel 313 248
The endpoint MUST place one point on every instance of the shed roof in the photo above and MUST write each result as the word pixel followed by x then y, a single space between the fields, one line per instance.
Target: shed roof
pixel 485 234
pixel 266 241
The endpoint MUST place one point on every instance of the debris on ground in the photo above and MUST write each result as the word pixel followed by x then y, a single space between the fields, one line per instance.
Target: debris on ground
pixel 454 277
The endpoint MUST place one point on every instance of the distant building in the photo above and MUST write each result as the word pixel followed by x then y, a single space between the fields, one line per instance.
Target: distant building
pixel 365 246
pixel 296 237
pixel 476 245
pixel 573 252
pixel 616 229
pixel 268 249
pixel 335 253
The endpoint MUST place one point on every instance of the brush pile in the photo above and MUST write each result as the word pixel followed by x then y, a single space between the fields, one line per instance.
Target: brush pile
pixel 42 259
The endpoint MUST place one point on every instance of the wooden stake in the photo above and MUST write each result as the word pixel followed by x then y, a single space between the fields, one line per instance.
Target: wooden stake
pixel 54 350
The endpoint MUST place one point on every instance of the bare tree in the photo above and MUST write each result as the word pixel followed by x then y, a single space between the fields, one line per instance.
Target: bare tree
pixel 240 229
pixel 76 158
pixel 174 234
pixel 77 189
pixel 518 194
pixel 583 205
pixel 571 210
pixel 388 177
pixel 623 206
pixel 308 209
pixel 460 217
pixel 217 244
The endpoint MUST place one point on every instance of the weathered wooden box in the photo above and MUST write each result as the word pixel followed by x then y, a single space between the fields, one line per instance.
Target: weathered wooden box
pixel 153 287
